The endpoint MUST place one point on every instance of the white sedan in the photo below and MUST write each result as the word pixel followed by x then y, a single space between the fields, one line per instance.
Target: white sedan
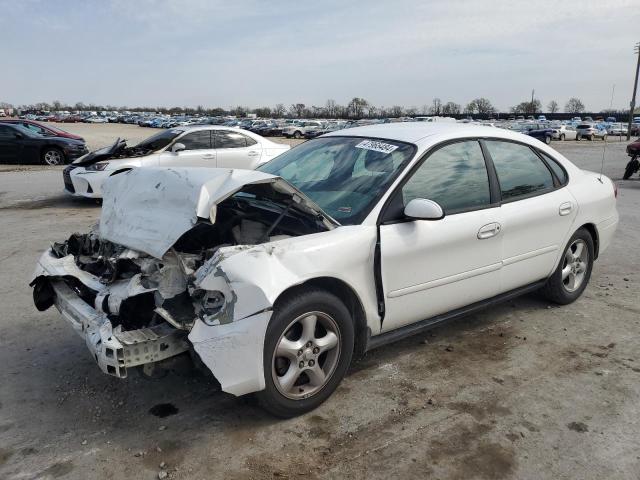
pixel 200 146
pixel 276 278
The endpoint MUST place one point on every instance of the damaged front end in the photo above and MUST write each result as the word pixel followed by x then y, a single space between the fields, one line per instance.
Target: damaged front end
pixel 146 285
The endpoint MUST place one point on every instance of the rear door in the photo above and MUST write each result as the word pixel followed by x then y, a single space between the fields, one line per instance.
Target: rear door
pixel 430 267
pixel 537 212
pixel 198 152
pixel 236 150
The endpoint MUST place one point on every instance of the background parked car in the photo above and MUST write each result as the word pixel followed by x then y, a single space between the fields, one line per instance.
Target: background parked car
pixel 299 130
pixel 22 145
pixel 39 128
pixel 590 131
pixel 617 129
pixel 564 132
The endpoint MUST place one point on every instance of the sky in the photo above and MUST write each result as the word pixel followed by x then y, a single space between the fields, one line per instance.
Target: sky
pixel 259 53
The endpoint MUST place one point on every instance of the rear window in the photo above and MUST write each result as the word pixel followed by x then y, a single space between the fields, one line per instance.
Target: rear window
pixel 584 125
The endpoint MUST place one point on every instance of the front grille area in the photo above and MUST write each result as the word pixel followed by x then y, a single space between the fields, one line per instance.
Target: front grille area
pixel 66 175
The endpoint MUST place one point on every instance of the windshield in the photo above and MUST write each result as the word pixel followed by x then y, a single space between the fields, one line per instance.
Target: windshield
pixel 345 176
pixel 159 140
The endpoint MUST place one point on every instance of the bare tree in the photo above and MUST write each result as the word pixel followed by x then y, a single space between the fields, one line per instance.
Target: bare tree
pixel 330 108
pixel 436 107
pixel 357 107
pixel 574 105
pixel 396 111
pixel 297 109
pixel 481 106
pixel 279 110
pixel 552 107
pixel 451 108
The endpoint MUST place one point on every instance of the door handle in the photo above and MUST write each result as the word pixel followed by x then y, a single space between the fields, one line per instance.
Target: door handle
pixel 565 208
pixel 489 230
pixel 253 153
pixel 208 155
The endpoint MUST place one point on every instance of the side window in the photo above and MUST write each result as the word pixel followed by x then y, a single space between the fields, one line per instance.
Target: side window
pixel 455 176
pixel 250 141
pixel 7 133
pixel 196 140
pixel 226 139
pixel 558 170
pixel 520 171
pixel 35 128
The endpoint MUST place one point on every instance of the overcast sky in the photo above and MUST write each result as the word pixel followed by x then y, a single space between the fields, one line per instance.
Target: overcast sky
pixel 259 53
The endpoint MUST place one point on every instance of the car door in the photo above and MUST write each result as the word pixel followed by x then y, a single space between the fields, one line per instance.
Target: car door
pixel 537 211
pixel 236 150
pixel 198 152
pixel 10 145
pixel 429 267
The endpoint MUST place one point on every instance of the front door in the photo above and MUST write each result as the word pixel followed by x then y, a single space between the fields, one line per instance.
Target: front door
pixel 198 152
pixel 430 267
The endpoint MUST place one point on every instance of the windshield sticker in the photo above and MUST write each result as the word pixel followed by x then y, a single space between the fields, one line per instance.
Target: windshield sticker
pixel 376 146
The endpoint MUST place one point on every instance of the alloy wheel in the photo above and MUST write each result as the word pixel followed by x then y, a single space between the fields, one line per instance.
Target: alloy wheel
pixel 306 355
pixel 575 265
pixel 53 157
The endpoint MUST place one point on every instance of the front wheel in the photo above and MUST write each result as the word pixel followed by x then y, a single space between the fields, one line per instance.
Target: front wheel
pixel 53 156
pixel 547 139
pixel 297 135
pixel 308 349
pixel 562 137
pixel 571 277
pixel 604 138
pixel 578 138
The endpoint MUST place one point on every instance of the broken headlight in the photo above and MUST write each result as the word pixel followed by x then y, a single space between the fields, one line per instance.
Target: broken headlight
pixel 97 167
pixel 210 303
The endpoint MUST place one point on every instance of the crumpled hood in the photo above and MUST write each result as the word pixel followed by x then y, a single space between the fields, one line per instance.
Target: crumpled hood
pixel 149 209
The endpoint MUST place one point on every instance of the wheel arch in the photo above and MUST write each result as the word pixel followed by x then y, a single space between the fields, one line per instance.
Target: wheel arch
pixel 593 231
pixel 346 294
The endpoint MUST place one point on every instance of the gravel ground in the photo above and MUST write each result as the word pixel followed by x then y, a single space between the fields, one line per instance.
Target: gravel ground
pixel 526 390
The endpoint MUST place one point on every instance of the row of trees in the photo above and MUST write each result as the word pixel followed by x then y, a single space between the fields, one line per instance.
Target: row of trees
pixel 356 108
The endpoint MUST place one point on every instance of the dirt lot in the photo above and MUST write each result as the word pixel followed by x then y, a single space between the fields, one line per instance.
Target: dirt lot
pixel 525 390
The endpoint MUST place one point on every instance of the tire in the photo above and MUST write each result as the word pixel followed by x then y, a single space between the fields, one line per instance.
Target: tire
pixel 562 137
pixel 297 134
pixel 591 137
pixel 575 266
pixel 547 139
pixel 604 138
pixel 299 395
pixel 631 168
pixel 53 156
pixel 578 138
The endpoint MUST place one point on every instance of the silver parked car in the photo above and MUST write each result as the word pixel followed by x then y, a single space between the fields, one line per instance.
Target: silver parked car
pixel 588 130
pixel 564 132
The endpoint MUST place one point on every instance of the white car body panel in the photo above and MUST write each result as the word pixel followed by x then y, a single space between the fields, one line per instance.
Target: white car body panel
pixel 428 267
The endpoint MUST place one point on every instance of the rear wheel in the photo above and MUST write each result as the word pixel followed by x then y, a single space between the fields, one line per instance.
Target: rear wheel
pixel 591 137
pixel 604 138
pixel 53 156
pixel 631 168
pixel 562 137
pixel 547 139
pixel 297 134
pixel 578 138
pixel 574 270
pixel 308 349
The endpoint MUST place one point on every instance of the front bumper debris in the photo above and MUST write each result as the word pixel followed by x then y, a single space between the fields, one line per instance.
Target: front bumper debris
pixel 113 349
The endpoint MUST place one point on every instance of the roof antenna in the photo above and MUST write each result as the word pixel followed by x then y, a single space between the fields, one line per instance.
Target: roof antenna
pixel 604 148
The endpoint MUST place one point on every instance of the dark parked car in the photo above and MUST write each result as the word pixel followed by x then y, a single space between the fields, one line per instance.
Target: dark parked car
pixel 22 145
pixel 540 131
pixel 46 130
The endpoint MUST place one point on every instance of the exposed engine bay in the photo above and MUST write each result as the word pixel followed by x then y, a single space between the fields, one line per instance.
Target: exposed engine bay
pixel 143 291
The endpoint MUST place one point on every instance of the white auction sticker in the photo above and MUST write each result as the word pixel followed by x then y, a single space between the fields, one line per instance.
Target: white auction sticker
pixel 377 146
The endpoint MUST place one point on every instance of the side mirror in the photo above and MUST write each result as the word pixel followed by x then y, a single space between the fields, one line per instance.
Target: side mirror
pixel 423 209
pixel 178 147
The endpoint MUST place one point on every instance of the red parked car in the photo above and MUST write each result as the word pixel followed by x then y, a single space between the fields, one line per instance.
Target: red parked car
pixel 46 130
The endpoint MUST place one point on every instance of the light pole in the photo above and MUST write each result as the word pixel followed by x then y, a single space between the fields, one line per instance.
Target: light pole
pixel 635 89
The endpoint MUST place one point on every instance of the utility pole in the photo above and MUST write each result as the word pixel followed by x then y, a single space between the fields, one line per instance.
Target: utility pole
pixel 635 89
pixel 532 108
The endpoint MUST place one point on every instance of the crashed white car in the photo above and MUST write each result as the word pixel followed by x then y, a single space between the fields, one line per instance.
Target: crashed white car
pixel 199 146
pixel 276 278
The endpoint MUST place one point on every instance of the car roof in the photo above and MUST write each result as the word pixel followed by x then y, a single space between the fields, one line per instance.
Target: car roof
pixel 416 132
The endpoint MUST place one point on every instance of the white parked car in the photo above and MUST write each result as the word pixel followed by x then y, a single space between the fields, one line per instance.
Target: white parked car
pixel 299 130
pixel 590 132
pixel 202 146
pixel 617 129
pixel 276 278
pixel 563 132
